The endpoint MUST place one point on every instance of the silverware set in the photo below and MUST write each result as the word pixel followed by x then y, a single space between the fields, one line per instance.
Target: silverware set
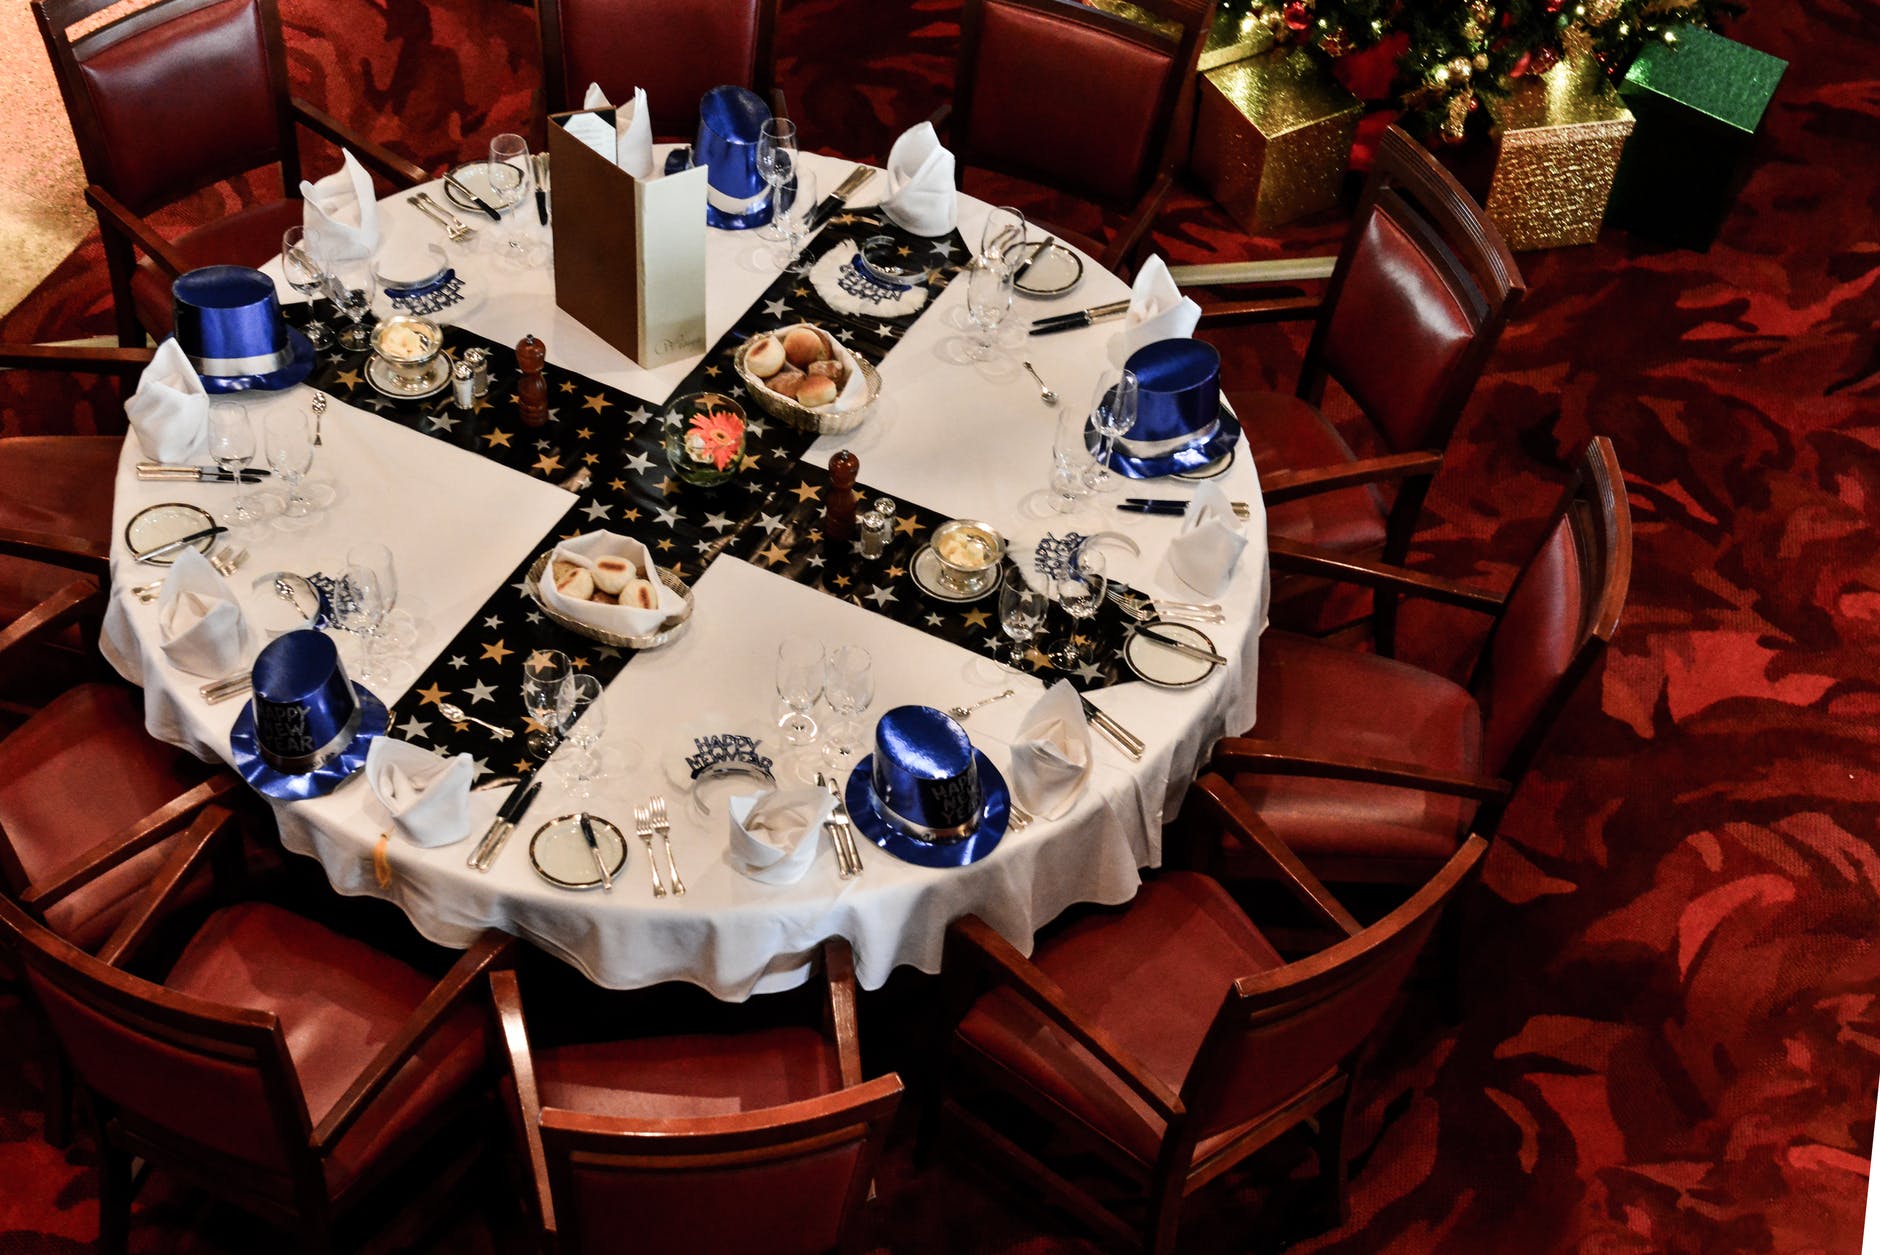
pixel 650 820
pixel 505 823
pixel 1121 737
pixel 148 471
pixel 223 560
pixel 1172 506
pixel 455 228
pixel 841 832
pixel 1142 608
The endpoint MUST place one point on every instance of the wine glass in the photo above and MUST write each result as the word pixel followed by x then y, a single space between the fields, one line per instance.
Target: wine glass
pixel 509 177
pixel 232 448
pixel 1070 457
pixel 794 222
pixel 988 300
pixel 1002 241
pixel 290 454
pixel 799 682
pixel 1113 413
pixel 303 264
pixel 545 696
pixel 399 632
pixel 849 685
pixel 356 281
pixel 1021 614
pixel 776 161
pixel 359 606
pixel 1080 592
pixel 581 726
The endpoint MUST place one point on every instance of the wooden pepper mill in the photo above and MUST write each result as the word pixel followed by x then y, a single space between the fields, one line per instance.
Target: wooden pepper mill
pixel 532 388
pixel 839 507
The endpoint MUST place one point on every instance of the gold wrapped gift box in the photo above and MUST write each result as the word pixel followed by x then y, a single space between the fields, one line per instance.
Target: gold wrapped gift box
pixel 1273 137
pixel 1558 140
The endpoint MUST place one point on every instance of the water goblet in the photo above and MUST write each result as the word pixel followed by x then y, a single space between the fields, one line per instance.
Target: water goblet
pixel 510 176
pixel 1112 413
pixel 359 606
pixel 776 161
pixel 303 264
pixel 545 674
pixel 1021 614
pixel 794 222
pixel 988 300
pixel 849 686
pixel 581 727
pixel 799 683
pixel 1070 458
pixel 1003 238
pixel 399 631
pixel 356 282
pixel 290 454
pixel 232 447
pixel 1080 592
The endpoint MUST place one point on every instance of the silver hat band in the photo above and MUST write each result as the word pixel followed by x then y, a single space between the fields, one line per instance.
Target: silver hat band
pixel 300 765
pixel 724 202
pixel 259 364
pixel 1161 448
pixel 958 832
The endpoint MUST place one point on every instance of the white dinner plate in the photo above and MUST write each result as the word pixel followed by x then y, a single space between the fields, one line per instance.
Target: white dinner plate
pixel 160 524
pixel 1055 270
pixel 475 175
pixel 561 855
pixel 1168 668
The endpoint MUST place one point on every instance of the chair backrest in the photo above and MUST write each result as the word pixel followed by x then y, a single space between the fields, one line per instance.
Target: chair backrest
pixel 676 49
pixel 774 1182
pixel 212 1084
pixel 1073 97
pixel 1416 301
pixel 1278 1032
pixel 1559 615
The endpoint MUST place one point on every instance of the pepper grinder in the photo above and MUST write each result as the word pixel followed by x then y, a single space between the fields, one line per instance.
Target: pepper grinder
pixel 532 388
pixel 839 507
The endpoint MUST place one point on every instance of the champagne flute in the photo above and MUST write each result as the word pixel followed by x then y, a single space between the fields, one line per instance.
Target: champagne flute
pixel 581 726
pixel 776 161
pixel 545 675
pixel 303 264
pixel 1080 592
pixel 509 177
pixel 232 448
pixel 1113 413
pixel 1002 241
pixel 849 684
pixel 1021 614
pixel 290 454
pixel 359 607
pixel 988 300
pixel 799 683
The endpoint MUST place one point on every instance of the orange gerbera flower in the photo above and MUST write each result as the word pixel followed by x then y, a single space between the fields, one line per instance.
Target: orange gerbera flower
pixel 717 436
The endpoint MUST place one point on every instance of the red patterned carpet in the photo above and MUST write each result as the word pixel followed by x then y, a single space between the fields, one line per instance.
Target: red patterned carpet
pixel 1672 1032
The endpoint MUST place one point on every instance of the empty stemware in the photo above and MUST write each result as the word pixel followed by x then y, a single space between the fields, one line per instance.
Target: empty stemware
pixel 582 724
pixel 303 264
pixel 1112 413
pixel 356 282
pixel 776 161
pixel 1002 238
pixel 545 696
pixel 988 300
pixel 799 683
pixel 849 686
pixel 290 455
pixel 510 176
pixel 359 607
pixel 1080 592
pixel 1070 458
pixel 1021 614
pixel 232 447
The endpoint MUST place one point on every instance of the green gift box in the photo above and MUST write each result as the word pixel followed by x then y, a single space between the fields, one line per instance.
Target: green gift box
pixel 1698 102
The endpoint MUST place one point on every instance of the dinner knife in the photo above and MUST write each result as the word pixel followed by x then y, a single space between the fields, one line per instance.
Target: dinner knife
pixel 839 199
pixel 500 828
pixel 842 832
pixel 1125 740
pixel 1167 505
pixel 541 186
pixel 150 555
pixel 1050 242
pixel 476 200
pixel 206 474
pixel 1081 318
pixel 1180 646
pixel 594 848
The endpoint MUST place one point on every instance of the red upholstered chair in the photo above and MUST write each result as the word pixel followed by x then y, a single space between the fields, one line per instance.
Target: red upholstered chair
pixel 1414 306
pixel 676 49
pixel 762 1142
pixel 1372 769
pixel 166 99
pixel 276 1063
pixel 1080 100
pixel 1168 1040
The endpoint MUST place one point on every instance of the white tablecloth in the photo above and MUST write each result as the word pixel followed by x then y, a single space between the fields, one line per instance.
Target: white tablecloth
pixel 969 440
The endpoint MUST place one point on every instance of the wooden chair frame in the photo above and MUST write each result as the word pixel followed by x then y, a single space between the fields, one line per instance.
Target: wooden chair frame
pixel 235 1034
pixel 1181 30
pixel 555 1138
pixel 124 229
pixel 977 957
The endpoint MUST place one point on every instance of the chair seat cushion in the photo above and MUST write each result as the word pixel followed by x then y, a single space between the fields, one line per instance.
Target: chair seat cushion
pixel 339 1002
pixel 247 237
pixel 1324 701
pixel 688 1075
pixel 59 484
pixel 71 776
pixel 1285 433
pixel 1152 976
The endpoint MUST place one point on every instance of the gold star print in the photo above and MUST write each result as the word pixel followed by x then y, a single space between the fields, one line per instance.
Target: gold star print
pixel 537 658
pixel 460 725
pixel 590 458
pixel 579 664
pixel 531 724
pixel 548 463
pixel 483 403
pixel 842 581
pixel 584 434
pixel 497 436
pixel 910 525
pixel 567 385
pixel 347 379
pixel 747 462
pixel 496 652
pixel 433 695
pixel 807 492
pixel 904 251
pixel 663 543
pixel 632 515
pixel 895 572
pixel 668 486
pixel 713 371
pixel 771 555
pixel 524 766
pixel 597 402
pixel 618 485
pixel 976 618
pixel 678 569
pixel 815 535
pixel 800 291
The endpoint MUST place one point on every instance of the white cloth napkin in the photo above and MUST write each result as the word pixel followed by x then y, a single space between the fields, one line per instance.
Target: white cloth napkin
pixel 170 411
pixel 921 197
pixel 1051 753
pixel 774 835
pixel 1157 311
pixel 427 796
pixel 629 142
pixel 621 620
pixel 342 211
pixel 202 627
pixel 1209 545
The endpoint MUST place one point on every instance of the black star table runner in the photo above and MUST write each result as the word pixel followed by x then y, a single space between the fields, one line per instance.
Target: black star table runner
pixel 607 447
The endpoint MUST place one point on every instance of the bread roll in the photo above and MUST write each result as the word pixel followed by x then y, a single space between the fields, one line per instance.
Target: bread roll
pixel 785 382
pixel 816 390
pixel 640 593
pixel 803 345
pixel 765 357
pixel 576 584
pixel 830 369
pixel 611 574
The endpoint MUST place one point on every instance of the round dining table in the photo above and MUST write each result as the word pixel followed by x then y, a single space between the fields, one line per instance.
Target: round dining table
pixel 963 438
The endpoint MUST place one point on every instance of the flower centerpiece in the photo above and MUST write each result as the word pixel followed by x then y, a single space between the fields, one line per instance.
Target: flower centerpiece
pixel 704 438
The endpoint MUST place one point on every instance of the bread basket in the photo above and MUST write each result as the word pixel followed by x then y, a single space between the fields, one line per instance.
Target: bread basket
pixel 824 421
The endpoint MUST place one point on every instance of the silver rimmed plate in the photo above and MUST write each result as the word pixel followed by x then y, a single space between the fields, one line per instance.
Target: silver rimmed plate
pixel 560 854
pixel 1157 664
pixel 926 570
pixel 475 175
pixel 159 525
pixel 1055 270
pixel 384 379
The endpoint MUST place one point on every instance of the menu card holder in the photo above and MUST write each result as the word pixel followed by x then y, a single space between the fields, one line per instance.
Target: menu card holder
pixel 629 253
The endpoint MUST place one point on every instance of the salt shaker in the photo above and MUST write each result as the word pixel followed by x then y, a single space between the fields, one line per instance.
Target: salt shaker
pixel 885 507
pixel 875 532
pixel 479 369
pixel 463 385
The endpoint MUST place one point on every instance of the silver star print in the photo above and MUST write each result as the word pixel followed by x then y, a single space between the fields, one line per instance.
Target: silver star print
pixel 1089 671
pixel 755 426
pixel 815 560
pixel 481 692
pixel 458 660
pixel 595 510
pixel 666 515
pixel 641 414
pixel 769 522
pixel 414 726
pixel 934 620
pixel 776 308
pixel 639 462
pixel 717 522
pixel 881 596
pixel 479 768
pixel 535 616
pixel 493 622
pixel 441 421
pixel 522 586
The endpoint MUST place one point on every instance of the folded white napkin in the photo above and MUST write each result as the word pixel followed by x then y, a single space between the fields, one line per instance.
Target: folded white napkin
pixel 202 627
pixel 1157 311
pixel 921 197
pixel 427 796
pixel 169 411
pixel 1209 545
pixel 621 620
pixel 629 142
pixel 774 835
pixel 342 211
pixel 1051 754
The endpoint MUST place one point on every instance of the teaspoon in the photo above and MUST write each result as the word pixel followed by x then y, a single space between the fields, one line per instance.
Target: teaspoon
pixel 1045 392
pixel 457 714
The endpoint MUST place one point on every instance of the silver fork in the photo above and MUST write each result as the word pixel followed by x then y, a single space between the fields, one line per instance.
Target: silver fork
pixel 643 828
pixel 456 229
pixel 225 561
pixel 656 811
pixel 1154 607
